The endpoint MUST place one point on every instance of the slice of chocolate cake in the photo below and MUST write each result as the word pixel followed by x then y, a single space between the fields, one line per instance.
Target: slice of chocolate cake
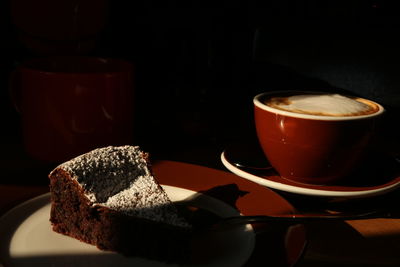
pixel 109 198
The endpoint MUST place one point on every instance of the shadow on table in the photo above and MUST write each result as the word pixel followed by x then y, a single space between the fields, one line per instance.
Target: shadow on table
pixel 81 260
pixel 351 244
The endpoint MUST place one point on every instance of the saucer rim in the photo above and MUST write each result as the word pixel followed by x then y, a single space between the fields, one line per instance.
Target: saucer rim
pixel 304 190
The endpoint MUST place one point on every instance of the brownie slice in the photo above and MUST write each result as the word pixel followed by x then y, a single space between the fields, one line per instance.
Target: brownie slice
pixel 109 198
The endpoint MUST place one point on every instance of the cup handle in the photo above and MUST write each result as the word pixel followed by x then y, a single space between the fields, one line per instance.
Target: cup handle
pixel 247 155
pixel 14 90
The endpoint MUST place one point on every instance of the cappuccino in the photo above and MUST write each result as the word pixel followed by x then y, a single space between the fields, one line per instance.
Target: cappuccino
pixel 314 137
pixel 334 105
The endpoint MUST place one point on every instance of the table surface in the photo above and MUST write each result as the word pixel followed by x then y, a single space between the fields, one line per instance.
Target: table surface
pixel 369 242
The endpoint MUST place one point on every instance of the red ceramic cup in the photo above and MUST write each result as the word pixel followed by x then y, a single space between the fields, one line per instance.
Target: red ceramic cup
pixel 70 105
pixel 313 149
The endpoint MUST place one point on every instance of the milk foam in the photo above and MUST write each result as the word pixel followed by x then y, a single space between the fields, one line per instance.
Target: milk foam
pixel 326 105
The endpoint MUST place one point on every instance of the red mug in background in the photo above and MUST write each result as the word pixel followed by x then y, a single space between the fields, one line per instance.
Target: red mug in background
pixel 314 138
pixel 70 105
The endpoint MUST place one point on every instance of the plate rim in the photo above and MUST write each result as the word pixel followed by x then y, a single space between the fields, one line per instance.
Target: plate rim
pixel 44 199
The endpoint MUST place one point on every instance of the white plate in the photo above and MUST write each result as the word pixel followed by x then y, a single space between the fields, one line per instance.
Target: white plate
pixel 26 238
pixel 333 191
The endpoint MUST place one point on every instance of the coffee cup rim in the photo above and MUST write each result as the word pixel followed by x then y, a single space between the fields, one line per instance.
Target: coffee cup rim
pixel 259 104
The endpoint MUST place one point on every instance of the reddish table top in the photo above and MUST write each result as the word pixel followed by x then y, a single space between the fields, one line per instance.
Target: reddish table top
pixel 370 242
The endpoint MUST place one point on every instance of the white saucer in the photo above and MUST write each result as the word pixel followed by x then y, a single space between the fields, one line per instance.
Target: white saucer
pixel 26 238
pixel 282 184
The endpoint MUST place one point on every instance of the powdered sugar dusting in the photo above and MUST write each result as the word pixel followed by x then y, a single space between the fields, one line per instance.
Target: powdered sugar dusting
pixel 119 178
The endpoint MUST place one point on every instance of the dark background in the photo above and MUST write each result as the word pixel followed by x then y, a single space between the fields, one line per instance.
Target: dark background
pixel 199 63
